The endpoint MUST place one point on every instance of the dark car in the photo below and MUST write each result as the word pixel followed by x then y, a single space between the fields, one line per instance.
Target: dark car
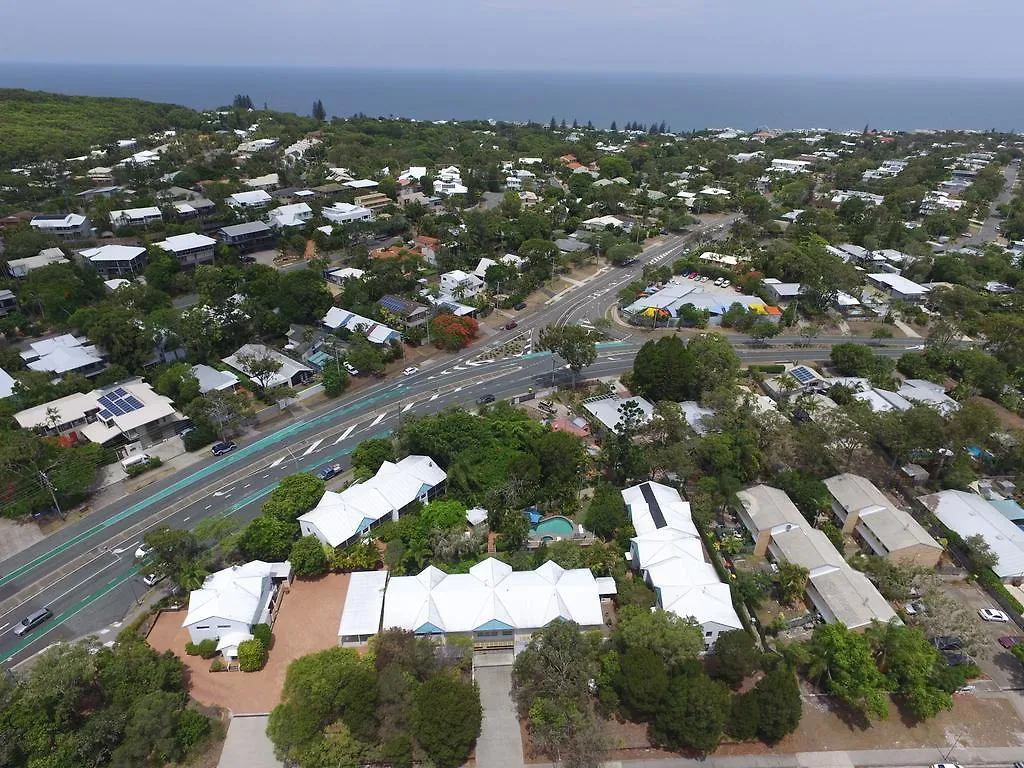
pixel 520 306
pixel 329 471
pixel 219 449
pixel 947 643
pixel 247 259
pixel 1008 641
pixel 957 658
pixel 510 325
pixel 485 399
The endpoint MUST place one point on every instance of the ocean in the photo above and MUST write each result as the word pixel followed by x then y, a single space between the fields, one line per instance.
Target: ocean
pixel 684 102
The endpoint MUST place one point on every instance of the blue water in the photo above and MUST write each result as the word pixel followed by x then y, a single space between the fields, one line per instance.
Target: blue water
pixel 684 102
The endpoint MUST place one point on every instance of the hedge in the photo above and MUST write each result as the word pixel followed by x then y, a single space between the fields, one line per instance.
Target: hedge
pixel 262 633
pixel 252 655
pixel 205 649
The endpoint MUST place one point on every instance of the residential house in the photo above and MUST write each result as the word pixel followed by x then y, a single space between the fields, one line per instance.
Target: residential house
pixel 601 223
pixel 572 245
pixel 409 313
pixel 340 518
pixel 268 182
pixel 780 291
pixel 429 247
pixel 197 208
pixel 295 152
pixel 460 285
pixel 361 184
pixel 898 287
pixel 493 606
pixel 66 226
pixel 7 383
pixel 838 592
pixel 255 200
pixel 190 249
pixel 668 552
pixel 375 201
pixel 865 512
pixel 376 332
pixel 607 410
pixel 720 259
pixel 247 148
pixel 18 268
pixel 290 374
pixel 344 213
pixel 248 237
pixel 64 354
pixel 8 302
pixel 339 275
pixel 790 166
pixel 968 514
pixel 116 260
pixel 363 609
pixel 212 380
pixel 290 216
pixel 121 414
pixel 136 217
pixel 234 600
pixel 329 191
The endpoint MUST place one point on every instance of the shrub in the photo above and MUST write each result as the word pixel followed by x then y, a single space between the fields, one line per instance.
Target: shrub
pixel 252 655
pixel 207 648
pixel 191 649
pixel 308 558
pixel 137 469
pixel 262 633
pixel 191 729
pixel 217 665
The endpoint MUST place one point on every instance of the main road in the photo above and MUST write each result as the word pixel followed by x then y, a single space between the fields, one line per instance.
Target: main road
pixel 85 573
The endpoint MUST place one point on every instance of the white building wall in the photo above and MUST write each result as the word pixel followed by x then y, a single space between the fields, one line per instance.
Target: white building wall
pixel 211 629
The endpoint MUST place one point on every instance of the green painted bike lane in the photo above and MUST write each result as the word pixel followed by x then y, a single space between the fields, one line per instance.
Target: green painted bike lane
pixel 114 583
pixel 232 458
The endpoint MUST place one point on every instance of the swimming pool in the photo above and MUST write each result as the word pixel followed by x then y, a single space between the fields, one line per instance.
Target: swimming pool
pixel 555 525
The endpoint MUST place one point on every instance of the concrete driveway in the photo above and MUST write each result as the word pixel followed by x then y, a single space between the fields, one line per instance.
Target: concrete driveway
pixel 500 744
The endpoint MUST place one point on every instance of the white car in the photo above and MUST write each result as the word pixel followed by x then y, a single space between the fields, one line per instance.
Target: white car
pixel 141 552
pixel 945 765
pixel 152 579
pixel 410 370
pixel 991 614
pixel 352 370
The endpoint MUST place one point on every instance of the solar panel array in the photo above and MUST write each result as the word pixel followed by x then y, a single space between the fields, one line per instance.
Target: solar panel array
pixel 118 403
pixel 391 304
pixel 803 374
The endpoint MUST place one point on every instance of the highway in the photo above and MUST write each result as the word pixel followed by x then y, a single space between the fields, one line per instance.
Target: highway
pixel 85 573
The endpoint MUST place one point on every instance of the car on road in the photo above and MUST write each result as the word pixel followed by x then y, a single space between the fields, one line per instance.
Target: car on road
pixel 1008 641
pixel 485 399
pixel 329 471
pixel 152 579
pixel 352 370
pixel 412 369
pixel 142 552
pixel 991 614
pixel 32 621
pixel 510 325
pixel 223 448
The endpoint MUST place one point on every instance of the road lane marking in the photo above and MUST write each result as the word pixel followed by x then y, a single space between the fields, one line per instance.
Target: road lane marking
pixel 457 389
pixel 247 485
pixel 378 420
pixel 186 519
pixel 208 506
pixel 345 434
pixel 410 405
pixel 434 396
pixel 276 462
pixel 5 626
pixel 312 447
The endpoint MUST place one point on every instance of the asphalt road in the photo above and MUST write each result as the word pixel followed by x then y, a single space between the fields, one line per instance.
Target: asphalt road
pixel 988 232
pixel 85 573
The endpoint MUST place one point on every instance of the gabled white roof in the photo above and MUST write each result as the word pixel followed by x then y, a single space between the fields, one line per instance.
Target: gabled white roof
pixel 211 379
pixel 705 603
pixel 6 384
pixel 653 506
pixel 237 593
pixel 113 253
pixel 364 603
pixel 492 595
pixel 256 197
pixel 187 242
pixel 340 516
pixel 769 507
pixel 970 515
pixel 61 354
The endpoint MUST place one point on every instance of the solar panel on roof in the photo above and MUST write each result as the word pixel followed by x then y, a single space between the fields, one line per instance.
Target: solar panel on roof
pixel 802 374
pixel 106 415
pixel 119 392
pixel 133 403
pixel 392 304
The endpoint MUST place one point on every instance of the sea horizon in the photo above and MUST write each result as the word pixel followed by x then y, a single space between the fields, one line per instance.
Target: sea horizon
pixel 682 101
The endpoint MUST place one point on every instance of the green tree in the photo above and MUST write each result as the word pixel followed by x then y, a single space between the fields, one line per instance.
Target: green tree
pixel 694 714
pixel 447 719
pixel 642 682
pixel 295 495
pixel 673 639
pixel 335 380
pixel 665 370
pixel 319 113
pixel 842 663
pixel 574 344
pixel 735 657
pixel 252 655
pixel 268 538
pixel 308 558
pixel 853 359
pixel 792 581
pixel 779 704
pixel 912 665
pixel 370 454
pixel 606 515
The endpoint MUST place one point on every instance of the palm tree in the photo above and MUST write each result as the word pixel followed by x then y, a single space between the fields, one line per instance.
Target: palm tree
pixel 190 575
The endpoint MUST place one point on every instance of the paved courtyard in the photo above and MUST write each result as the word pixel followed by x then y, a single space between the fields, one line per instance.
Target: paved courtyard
pixel 247 745
pixel 307 622
pixel 500 744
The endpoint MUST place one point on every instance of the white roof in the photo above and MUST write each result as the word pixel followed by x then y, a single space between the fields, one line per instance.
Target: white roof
pixel 492 596
pixel 929 393
pixel 187 242
pixel 133 214
pixel 113 253
pixel 268 180
pixel 340 516
pixel 606 409
pixel 342 212
pixel 476 515
pixel 211 379
pixel 69 220
pixel 969 514
pixel 769 507
pixel 705 603
pixel 77 406
pixel 376 332
pixel 808 547
pixel 604 221
pixel 47 256
pixel 653 506
pixel 61 354
pixel 237 593
pixel 256 197
pixel 899 283
pixel 364 603
pixel 719 258
pixel 361 184
pixel 6 384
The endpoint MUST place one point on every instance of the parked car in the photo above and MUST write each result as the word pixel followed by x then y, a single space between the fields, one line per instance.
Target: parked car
pixel 1008 641
pixel 957 658
pixel 991 614
pixel 142 552
pixel 945 765
pixel 947 643
pixel 222 448
pixel 152 579
pixel 915 608
pixel 247 259
pixel 510 325
pixel 352 370
pixel 520 306
pixel 329 471
pixel 32 621
pixel 412 369
pixel 485 399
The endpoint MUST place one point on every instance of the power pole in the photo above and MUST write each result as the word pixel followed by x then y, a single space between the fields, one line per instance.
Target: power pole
pixel 44 478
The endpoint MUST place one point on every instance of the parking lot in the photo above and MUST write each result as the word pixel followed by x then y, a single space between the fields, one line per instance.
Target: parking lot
pixel 998 663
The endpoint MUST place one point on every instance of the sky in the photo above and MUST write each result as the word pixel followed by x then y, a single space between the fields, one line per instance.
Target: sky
pixel 968 38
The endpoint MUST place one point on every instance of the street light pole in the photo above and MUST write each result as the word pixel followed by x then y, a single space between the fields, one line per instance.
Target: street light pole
pixel 49 486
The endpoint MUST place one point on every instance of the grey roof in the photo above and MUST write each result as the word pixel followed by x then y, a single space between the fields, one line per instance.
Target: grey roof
pixel 768 507
pixel 854 493
pixel 569 244
pixel 248 227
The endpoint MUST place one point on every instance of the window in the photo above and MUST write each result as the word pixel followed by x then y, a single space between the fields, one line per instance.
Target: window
pixel 206 627
pixel 223 626
pixel 708 634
